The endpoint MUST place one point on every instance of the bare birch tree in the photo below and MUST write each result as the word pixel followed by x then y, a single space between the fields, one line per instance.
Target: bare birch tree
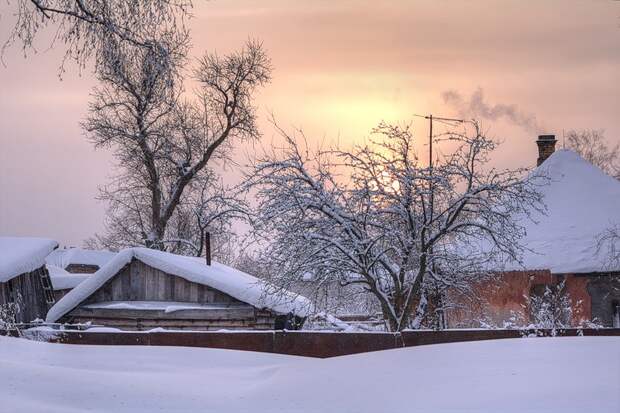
pixel 377 217
pixel 166 144
pixel 591 145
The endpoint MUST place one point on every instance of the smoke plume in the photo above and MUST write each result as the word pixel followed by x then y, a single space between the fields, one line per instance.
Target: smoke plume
pixel 476 107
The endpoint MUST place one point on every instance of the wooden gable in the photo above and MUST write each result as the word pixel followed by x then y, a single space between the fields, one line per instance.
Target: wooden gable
pixel 140 282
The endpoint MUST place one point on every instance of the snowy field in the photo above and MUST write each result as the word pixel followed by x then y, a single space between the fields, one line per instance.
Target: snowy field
pixel 576 374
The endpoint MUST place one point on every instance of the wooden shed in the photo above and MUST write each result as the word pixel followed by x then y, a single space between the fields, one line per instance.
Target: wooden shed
pixel 25 289
pixel 142 289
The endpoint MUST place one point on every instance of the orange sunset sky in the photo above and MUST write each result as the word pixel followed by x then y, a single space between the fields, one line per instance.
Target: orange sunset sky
pixel 340 67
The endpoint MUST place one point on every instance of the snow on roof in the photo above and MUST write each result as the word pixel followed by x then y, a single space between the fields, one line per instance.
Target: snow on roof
pixel 64 280
pixel 582 202
pixel 19 255
pixel 235 283
pixel 64 257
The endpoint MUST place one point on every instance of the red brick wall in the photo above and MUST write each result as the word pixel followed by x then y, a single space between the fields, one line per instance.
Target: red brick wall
pixel 576 286
pixel 505 297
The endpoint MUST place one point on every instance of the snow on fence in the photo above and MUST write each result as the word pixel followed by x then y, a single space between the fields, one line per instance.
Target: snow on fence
pixel 303 343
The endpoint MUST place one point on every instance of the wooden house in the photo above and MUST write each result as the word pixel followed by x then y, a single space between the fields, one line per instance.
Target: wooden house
pixel 142 289
pixel 25 289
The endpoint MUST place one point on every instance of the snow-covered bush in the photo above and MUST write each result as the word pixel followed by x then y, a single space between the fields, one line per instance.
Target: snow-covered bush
pixel 9 316
pixel 552 309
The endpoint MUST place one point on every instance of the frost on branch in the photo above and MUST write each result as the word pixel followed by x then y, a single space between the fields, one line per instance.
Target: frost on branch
pixel 378 218
pixel 89 28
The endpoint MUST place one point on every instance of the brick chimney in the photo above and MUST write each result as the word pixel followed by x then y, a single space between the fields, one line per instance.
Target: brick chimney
pixel 546 147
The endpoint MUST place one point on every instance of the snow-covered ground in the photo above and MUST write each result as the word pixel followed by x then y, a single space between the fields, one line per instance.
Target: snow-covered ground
pixel 573 374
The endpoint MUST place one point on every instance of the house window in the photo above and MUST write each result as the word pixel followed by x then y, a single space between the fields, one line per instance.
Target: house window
pixel 48 291
pixel 615 310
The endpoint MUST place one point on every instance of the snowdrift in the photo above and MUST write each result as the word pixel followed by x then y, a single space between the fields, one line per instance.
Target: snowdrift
pixel 514 375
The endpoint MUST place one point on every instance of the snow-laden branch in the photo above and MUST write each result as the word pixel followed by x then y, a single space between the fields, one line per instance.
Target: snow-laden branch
pixel 404 231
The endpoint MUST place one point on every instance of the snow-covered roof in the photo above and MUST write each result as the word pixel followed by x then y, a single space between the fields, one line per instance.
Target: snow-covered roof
pixel 64 257
pixel 235 283
pixel 19 255
pixel 64 280
pixel 582 202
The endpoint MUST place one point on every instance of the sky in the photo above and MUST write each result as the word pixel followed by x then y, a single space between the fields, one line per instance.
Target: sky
pixel 340 67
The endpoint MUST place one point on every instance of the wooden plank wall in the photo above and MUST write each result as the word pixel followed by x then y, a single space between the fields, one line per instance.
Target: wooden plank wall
pixel 140 282
pixel 145 324
pixel 28 287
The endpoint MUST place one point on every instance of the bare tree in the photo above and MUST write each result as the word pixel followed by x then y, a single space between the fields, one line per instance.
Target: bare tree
pixel 87 28
pixel 592 146
pixel 378 218
pixel 608 243
pixel 210 207
pixel 163 142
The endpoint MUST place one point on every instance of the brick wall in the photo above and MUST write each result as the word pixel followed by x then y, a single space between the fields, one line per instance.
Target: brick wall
pixel 505 297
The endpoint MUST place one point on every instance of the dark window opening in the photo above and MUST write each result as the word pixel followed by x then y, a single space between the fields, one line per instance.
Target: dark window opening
pixel 288 322
pixel 280 322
